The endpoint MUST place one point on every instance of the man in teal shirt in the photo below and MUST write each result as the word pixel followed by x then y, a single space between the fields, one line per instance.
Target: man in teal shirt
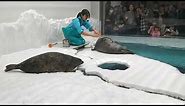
pixel 74 30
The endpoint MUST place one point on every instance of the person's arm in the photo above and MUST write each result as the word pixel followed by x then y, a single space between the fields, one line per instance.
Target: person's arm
pixel 159 33
pixel 150 29
pixel 90 27
pixel 90 34
pixel 163 32
pixel 76 25
pixel 175 32
pixel 96 32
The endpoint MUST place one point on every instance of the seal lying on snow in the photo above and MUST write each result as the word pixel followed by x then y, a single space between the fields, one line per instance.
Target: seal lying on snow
pixel 106 45
pixel 47 63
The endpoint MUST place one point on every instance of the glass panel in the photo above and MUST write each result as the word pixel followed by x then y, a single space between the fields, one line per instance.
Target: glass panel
pixel 143 18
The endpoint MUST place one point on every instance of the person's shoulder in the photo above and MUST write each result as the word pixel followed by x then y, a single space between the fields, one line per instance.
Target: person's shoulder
pixel 75 20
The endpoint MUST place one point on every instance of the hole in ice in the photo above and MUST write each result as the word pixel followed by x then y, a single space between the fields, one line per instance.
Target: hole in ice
pixel 113 66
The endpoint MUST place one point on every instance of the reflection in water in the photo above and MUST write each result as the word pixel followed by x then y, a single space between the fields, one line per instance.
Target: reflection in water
pixel 137 17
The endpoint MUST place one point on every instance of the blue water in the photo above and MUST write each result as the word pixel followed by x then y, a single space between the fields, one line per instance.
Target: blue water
pixel 170 55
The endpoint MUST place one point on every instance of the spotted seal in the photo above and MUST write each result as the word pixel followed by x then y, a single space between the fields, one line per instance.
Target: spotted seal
pixel 107 45
pixel 47 63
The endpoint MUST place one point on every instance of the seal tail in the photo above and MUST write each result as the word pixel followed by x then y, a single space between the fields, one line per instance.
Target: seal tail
pixel 11 67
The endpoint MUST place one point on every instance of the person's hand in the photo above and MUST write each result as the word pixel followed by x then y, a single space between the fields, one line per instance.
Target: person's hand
pixel 126 18
pixel 96 33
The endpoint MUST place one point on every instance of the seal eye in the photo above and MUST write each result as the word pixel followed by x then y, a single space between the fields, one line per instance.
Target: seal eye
pixel 104 38
pixel 109 39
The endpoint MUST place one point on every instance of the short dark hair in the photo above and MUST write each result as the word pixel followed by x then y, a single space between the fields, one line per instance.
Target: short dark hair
pixel 84 12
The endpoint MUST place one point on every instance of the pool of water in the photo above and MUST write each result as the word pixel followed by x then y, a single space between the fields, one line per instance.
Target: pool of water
pixel 170 55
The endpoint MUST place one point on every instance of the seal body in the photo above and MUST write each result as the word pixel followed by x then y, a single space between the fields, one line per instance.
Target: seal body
pixel 107 45
pixel 47 63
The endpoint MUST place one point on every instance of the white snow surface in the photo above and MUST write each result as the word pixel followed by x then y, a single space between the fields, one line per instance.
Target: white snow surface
pixel 17 87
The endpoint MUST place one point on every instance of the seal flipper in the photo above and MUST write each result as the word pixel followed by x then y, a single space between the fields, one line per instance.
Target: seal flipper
pixel 11 67
pixel 92 49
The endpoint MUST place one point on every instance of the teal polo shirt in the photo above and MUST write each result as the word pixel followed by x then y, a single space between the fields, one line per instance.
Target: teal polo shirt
pixel 74 30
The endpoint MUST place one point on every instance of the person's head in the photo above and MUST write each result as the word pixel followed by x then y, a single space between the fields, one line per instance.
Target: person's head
pixel 108 3
pixel 172 27
pixel 154 24
pixel 131 7
pixel 141 5
pixel 138 10
pixel 156 28
pixel 84 14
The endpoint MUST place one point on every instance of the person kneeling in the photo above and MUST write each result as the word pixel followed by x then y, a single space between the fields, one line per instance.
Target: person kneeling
pixel 74 30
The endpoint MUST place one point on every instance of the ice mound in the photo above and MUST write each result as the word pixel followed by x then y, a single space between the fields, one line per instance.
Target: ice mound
pixel 32 30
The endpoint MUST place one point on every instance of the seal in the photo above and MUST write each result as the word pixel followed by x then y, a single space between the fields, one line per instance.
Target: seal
pixel 47 63
pixel 107 45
